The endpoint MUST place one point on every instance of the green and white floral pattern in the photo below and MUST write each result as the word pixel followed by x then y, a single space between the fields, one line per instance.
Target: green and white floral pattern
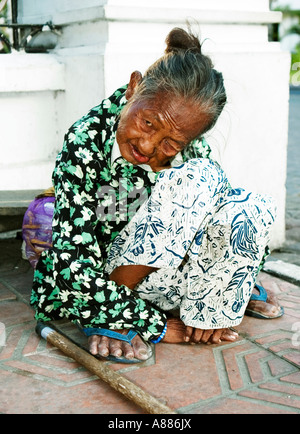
pixel 70 280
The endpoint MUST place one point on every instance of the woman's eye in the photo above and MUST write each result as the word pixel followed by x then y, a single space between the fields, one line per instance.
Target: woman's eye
pixel 168 149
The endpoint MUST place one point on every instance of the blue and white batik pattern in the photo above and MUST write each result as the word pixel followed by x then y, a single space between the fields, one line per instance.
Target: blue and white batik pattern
pixel 206 241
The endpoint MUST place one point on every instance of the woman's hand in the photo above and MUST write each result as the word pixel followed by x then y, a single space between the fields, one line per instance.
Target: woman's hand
pixel 177 333
pixel 212 336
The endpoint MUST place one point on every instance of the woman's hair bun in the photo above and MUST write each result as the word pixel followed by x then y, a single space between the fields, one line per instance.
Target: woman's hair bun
pixel 180 40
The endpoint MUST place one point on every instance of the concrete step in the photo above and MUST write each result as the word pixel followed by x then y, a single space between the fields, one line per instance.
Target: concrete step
pixel 13 205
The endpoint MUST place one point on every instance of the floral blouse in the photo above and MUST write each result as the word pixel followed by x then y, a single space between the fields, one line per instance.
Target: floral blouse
pixel 95 199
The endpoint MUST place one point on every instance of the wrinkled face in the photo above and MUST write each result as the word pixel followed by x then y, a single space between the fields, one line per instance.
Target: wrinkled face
pixel 152 131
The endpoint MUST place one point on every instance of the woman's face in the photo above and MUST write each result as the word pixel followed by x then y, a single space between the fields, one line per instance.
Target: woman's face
pixel 152 131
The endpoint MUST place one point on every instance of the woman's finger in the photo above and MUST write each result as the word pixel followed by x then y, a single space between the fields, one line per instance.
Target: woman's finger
pixel 216 336
pixel 229 335
pixel 188 333
pixel 197 336
pixel 206 335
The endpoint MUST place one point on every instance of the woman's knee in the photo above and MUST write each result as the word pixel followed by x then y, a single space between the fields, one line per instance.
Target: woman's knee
pixel 195 175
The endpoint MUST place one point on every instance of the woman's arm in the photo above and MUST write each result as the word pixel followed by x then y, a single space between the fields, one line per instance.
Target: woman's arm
pixel 85 292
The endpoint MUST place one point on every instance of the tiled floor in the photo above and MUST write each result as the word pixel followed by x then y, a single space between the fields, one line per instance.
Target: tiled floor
pixel 257 374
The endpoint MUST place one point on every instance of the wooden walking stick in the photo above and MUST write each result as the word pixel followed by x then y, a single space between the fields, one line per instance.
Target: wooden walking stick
pixel 116 381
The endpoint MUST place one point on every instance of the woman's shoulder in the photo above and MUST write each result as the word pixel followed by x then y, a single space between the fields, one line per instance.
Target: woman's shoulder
pixel 108 108
pixel 96 127
pixel 118 98
pixel 198 148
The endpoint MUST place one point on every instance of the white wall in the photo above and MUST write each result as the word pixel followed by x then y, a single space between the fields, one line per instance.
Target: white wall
pixel 102 42
pixel 30 102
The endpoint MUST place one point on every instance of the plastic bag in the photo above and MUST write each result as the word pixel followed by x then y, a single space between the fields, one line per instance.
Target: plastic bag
pixel 37 226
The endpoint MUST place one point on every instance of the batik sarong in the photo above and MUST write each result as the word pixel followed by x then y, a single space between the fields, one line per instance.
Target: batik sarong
pixel 205 240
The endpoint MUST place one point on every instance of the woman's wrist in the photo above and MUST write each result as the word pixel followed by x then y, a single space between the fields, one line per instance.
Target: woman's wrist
pixel 160 337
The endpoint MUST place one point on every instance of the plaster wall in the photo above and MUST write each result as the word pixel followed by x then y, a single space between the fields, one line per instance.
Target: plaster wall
pixel 102 42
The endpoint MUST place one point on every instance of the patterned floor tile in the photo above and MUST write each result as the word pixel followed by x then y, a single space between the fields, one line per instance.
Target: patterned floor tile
pixel 260 373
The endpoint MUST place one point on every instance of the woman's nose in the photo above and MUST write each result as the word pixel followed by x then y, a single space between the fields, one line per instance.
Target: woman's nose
pixel 147 146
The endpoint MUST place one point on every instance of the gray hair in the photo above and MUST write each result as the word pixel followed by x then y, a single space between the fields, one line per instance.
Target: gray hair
pixel 187 73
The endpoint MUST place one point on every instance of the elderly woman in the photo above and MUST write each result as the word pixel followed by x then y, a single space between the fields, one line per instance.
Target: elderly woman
pixel 145 224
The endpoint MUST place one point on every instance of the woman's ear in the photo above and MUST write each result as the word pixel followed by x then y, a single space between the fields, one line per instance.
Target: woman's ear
pixel 135 79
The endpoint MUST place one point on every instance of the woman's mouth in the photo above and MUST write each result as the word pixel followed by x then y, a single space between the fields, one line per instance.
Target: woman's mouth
pixel 138 156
